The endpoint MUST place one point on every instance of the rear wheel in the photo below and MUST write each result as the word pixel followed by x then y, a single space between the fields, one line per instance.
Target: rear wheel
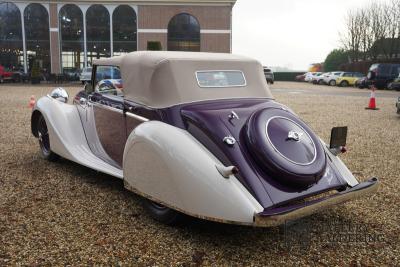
pixel 321 82
pixel 44 140
pixel 1 79
pixel 332 83
pixel 344 83
pixel 162 213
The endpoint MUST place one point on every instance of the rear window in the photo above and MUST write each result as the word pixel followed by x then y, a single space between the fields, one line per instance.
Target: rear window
pixel 217 78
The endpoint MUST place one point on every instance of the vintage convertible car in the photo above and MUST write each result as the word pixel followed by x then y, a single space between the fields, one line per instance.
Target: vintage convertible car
pixel 197 134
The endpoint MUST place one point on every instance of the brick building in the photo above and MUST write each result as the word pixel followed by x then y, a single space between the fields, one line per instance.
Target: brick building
pixel 59 35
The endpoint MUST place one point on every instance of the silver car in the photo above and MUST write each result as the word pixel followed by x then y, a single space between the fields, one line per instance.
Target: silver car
pixel 86 75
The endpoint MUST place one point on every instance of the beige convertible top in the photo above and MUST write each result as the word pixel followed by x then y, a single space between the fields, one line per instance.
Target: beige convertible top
pixel 161 79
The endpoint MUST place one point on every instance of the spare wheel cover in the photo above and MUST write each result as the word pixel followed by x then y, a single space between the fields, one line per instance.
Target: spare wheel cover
pixel 285 147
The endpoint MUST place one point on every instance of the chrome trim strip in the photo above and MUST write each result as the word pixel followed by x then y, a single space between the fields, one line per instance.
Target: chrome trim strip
pixel 106 107
pixel 222 86
pixel 137 117
pixel 269 140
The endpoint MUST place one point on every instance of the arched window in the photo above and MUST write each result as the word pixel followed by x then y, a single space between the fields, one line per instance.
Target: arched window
pixel 124 30
pixel 37 36
pixel 97 32
pixel 71 38
pixel 11 47
pixel 184 33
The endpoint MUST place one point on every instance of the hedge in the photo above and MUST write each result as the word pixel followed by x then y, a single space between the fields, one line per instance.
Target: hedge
pixel 286 76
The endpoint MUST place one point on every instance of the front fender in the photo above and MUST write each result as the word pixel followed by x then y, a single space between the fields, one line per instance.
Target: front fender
pixel 168 165
pixel 67 137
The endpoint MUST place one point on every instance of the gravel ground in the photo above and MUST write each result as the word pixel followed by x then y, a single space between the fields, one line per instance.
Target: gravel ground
pixel 64 214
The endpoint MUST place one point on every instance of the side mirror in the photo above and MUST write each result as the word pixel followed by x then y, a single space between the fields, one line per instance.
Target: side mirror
pixel 88 88
pixel 371 75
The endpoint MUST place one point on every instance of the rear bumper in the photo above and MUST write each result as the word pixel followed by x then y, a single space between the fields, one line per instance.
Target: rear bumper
pixel 278 216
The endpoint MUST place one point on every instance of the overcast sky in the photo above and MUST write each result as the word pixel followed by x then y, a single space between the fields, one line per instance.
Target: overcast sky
pixel 289 33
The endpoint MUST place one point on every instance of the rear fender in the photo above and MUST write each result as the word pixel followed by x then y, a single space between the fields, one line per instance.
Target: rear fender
pixel 168 165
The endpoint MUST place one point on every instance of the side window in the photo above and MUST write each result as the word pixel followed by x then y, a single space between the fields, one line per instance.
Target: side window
pixel 108 80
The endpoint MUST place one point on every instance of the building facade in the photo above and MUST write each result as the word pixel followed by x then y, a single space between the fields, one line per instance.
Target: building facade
pixel 59 35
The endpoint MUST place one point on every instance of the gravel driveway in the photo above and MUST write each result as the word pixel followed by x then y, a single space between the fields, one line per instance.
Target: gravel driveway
pixel 64 214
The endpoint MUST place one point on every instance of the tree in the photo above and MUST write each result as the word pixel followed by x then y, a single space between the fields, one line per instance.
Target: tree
pixel 372 31
pixel 335 58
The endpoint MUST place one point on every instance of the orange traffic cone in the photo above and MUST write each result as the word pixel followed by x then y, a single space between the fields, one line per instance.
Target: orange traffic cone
pixel 372 103
pixel 32 102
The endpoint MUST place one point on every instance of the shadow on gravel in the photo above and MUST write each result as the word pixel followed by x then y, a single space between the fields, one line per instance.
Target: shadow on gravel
pixel 319 230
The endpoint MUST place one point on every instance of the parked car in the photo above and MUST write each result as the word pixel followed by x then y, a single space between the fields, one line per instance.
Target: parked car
pixel 395 85
pixel 310 75
pixel 381 74
pixel 330 78
pixel 269 75
pixel 300 78
pixel 5 74
pixel 71 74
pixel 86 75
pixel 319 79
pixel 20 76
pixel 362 83
pixel 200 134
pixel 348 78
pixel 15 75
pixel 398 105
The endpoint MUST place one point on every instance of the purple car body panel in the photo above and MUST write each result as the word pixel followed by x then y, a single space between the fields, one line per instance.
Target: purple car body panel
pixel 212 118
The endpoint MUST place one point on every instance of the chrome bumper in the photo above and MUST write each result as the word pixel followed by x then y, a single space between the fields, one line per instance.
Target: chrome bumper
pixel 278 216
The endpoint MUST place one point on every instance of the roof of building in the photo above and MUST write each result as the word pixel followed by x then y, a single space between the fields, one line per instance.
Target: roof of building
pixel 147 2
pixel 161 78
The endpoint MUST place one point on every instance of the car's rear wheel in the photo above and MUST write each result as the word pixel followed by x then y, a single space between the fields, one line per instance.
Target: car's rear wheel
pixel 44 140
pixel 344 83
pixel 320 82
pixel 332 83
pixel 1 79
pixel 162 213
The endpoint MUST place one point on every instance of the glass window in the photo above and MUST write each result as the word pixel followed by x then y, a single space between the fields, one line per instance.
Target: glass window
pixel 358 75
pixel 37 37
pixel 184 33
pixel 395 70
pixel 71 37
pixel 230 78
pixel 108 80
pixel 11 47
pixel 124 30
pixel 97 32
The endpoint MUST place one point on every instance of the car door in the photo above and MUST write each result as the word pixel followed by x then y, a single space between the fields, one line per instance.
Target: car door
pixel 102 113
